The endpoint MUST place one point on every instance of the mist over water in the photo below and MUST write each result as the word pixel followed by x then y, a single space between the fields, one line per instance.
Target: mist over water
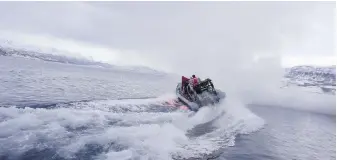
pixel 252 79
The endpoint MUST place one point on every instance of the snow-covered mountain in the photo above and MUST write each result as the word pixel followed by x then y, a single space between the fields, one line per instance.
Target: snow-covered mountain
pixel 62 57
pixel 313 76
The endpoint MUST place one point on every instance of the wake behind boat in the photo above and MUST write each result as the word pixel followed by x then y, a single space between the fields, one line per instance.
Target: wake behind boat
pixel 195 93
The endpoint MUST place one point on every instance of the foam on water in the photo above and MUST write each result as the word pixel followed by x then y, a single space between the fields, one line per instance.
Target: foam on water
pixel 141 133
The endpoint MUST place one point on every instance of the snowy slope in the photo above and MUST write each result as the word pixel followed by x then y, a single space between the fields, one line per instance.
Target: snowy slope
pixel 313 77
pixel 54 55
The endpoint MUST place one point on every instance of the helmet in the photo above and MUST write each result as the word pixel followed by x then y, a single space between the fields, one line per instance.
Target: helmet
pixel 193 76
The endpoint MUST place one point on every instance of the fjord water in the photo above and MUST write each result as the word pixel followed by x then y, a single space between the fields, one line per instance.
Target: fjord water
pixel 65 111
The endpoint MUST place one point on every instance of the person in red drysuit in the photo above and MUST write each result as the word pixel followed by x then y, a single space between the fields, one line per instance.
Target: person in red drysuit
pixel 184 83
pixel 194 80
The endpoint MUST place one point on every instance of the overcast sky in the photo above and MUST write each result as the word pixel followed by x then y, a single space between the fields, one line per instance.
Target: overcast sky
pixel 178 36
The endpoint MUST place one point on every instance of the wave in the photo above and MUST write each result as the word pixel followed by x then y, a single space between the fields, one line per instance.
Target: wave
pixel 104 130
